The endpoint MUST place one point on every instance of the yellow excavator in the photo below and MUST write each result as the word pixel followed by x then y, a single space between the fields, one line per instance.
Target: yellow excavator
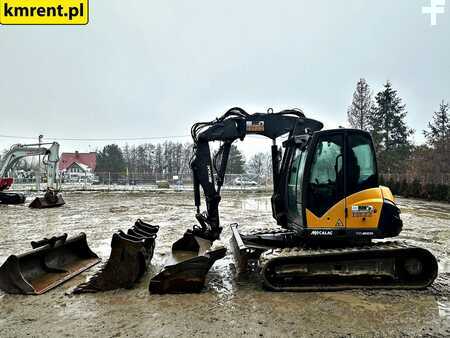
pixel 326 200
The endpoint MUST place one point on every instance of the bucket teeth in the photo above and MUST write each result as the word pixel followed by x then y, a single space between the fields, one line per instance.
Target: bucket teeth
pixel 150 228
pixel 131 253
pixel 50 263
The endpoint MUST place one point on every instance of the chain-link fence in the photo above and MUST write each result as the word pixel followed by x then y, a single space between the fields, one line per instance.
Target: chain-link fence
pixel 143 181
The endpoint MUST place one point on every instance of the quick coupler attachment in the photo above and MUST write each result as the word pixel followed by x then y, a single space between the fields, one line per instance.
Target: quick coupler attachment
pixel 130 256
pixel 51 262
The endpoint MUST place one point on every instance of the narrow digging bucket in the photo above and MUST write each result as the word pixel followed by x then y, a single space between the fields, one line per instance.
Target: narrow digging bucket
pixel 186 269
pixel 51 262
pixel 131 253
pixel 45 202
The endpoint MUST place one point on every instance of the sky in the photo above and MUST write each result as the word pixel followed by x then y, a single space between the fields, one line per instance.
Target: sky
pixel 148 69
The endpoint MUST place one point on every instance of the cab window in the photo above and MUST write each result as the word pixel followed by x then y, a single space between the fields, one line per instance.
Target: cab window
pixel 361 167
pixel 326 180
pixel 293 210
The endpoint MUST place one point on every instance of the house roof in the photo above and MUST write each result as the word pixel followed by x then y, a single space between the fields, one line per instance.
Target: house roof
pixel 88 159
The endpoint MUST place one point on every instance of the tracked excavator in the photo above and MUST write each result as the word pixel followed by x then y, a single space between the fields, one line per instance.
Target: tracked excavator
pixel 327 203
pixel 51 157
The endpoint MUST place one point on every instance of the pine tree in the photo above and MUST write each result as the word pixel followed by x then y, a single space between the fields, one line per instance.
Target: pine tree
pixel 110 160
pixel 359 112
pixel 439 129
pixel 389 130
pixel 236 161
pixel 438 138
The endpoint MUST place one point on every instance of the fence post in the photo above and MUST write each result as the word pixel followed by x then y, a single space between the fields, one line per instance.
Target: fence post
pixel 109 180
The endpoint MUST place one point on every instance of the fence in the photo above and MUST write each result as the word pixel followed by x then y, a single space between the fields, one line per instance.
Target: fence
pixel 145 181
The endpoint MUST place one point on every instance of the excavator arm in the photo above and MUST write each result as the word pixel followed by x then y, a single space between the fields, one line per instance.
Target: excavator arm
pixel 51 158
pixel 19 151
pixel 209 173
pixel 186 272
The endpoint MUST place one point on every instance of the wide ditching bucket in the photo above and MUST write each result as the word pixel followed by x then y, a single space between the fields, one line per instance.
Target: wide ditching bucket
pixel 51 262
pixel 186 269
pixel 130 256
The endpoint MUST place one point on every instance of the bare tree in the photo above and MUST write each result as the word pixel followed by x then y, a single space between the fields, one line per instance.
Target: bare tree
pixel 260 165
pixel 359 111
pixel 256 164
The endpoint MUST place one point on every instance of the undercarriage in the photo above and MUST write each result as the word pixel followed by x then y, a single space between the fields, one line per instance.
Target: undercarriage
pixel 285 263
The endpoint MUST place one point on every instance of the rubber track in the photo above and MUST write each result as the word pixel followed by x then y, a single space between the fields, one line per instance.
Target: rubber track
pixel 273 254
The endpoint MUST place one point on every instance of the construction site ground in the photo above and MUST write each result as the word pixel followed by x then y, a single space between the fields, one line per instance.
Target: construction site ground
pixel 230 305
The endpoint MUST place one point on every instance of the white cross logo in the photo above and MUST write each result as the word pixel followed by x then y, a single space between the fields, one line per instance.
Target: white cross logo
pixel 436 7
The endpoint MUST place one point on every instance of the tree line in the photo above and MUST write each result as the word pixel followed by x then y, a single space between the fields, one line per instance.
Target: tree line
pixel 161 160
pixel 384 115
pixel 413 170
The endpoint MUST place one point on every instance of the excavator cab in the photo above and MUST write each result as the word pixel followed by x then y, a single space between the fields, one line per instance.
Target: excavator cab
pixel 331 189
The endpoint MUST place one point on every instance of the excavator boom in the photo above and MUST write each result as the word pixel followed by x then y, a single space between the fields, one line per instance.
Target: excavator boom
pixel 235 124
pixel 51 159
pixel 209 174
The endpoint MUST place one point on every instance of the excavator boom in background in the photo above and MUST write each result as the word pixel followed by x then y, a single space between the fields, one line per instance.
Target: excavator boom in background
pixel 326 201
pixel 51 159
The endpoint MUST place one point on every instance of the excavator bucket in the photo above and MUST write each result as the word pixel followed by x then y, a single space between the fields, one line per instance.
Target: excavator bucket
pixel 131 253
pixel 51 199
pixel 12 198
pixel 51 262
pixel 186 269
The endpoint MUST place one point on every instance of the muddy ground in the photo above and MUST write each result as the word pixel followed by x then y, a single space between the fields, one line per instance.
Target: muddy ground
pixel 230 305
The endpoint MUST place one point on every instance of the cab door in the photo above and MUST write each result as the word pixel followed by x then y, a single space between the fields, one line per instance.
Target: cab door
pixel 325 189
pixel 295 189
pixel 364 198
